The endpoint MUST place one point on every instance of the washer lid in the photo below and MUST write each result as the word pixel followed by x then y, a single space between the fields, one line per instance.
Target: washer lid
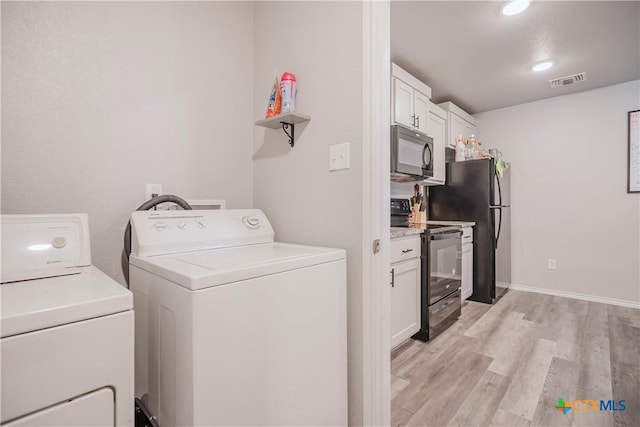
pixel 44 303
pixel 205 269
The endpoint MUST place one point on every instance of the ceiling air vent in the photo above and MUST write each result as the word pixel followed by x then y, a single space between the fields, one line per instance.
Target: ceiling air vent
pixel 568 80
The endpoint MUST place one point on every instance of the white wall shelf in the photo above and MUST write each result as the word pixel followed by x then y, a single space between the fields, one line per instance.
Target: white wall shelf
pixel 286 121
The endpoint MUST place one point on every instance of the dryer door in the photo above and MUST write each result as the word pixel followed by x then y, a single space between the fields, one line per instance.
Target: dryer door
pixel 93 409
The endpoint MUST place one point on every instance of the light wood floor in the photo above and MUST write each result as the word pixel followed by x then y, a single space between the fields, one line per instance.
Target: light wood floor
pixel 507 365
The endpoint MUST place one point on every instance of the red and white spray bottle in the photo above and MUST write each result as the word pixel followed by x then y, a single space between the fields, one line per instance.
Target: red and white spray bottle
pixel 288 90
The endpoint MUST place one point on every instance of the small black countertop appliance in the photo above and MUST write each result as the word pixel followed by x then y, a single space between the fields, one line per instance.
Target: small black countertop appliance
pixel 440 300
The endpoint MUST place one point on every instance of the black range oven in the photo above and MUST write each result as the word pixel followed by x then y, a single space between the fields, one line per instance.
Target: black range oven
pixel 441 302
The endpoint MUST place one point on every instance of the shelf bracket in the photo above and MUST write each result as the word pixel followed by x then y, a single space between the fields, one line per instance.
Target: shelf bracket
pixel 285 128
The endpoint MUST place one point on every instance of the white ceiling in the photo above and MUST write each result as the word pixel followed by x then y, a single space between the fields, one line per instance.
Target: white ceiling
pixel 471 54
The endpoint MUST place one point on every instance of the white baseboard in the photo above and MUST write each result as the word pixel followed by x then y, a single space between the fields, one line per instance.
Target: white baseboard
pixel 574 295
pixel 466 294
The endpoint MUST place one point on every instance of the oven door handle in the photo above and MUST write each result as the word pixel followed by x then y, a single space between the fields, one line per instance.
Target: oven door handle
pixel 446 235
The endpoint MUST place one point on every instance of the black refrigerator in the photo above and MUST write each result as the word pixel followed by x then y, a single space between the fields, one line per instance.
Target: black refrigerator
pixel 474 191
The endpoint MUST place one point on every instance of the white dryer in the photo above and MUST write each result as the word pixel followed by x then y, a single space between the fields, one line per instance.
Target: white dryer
pixel 233 328
pixel 67 328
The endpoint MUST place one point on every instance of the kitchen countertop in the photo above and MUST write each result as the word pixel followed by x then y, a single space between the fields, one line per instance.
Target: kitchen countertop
pixel 406 231
pixel 417 228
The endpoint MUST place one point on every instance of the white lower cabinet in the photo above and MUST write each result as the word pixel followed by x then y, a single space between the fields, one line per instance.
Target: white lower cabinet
pixel 467 262
pixel 405 289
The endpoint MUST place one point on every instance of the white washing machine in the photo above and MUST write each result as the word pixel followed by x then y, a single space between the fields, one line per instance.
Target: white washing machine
pixel 67 328
pixel 233 328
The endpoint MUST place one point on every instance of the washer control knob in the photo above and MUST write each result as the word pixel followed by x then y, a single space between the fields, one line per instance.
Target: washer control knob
pixel 182 225
pixel 251 221
pixel 59 242
pixel 160 226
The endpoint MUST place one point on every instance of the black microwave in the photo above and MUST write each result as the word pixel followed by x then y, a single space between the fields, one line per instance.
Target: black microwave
pixel 411 155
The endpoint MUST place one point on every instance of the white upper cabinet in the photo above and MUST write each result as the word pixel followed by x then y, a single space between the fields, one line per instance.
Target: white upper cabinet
pixel 410 100
pixel 438 131
pixel 421 110
pixel 459 123
pixel 457 127
pixel 403 103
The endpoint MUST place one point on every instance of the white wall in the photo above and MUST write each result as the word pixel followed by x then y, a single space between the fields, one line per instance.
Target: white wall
pixel 321 43
pixel 100 98
pixel 569 199
pixel 404 190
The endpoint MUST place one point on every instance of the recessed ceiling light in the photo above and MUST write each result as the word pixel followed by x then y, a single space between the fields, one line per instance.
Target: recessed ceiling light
pixel 515 7
pixel 541 66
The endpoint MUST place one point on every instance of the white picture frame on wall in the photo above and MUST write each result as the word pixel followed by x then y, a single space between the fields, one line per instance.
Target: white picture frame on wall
pixel 633 157
pixel 633 154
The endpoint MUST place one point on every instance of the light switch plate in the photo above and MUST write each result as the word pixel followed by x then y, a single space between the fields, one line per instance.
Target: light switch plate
pixel 339 157
pixel 551 264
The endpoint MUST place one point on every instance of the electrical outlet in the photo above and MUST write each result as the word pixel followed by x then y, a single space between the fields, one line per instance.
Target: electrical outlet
pixel 152 189
pixel 339 157
pixel 551 264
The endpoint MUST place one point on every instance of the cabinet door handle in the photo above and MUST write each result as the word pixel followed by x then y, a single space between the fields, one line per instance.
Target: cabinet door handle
pixel 413 118
pixel 406 251
pixel 393 277
pixel 418 120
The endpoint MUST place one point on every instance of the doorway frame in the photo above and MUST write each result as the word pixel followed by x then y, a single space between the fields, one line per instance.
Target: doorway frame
pixel 376 292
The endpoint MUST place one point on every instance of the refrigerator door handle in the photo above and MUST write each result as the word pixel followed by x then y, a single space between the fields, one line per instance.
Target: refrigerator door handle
pixel 499 188
pixel 499 226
